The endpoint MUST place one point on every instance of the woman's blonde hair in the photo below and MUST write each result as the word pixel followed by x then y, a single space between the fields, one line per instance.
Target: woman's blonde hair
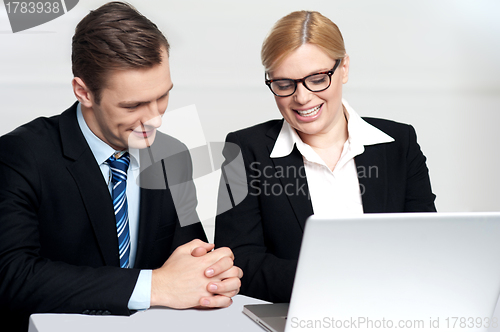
pixel 297 29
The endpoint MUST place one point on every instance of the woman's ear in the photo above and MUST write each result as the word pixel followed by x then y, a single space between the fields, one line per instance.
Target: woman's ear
pixel 345 69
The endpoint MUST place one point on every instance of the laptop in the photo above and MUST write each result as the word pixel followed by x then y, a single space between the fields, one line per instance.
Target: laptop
pixel 386 272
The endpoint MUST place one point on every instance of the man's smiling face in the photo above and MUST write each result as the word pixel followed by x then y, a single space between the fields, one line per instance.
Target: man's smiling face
pixel 132 104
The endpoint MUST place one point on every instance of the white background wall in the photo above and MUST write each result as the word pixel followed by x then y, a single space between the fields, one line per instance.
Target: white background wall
pixel 431 63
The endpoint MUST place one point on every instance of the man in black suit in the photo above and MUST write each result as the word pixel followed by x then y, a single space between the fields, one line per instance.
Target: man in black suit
pixel 67 244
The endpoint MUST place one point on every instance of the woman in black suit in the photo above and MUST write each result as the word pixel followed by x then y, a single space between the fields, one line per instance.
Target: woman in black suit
pixel 322 158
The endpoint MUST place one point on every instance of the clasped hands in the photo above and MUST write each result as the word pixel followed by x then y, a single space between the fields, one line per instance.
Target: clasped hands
pixel 195 276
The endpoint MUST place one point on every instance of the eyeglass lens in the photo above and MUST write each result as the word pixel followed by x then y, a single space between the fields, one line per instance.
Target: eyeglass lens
pixel 315 83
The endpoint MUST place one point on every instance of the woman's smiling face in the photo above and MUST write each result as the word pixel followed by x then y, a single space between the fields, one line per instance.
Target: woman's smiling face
pixel 311 113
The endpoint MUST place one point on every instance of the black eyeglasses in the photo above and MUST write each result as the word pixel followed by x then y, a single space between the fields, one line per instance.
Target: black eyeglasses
pixel 285 87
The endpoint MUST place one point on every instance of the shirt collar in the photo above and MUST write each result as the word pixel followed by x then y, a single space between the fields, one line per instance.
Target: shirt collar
pixel 360 133
pixel 100 149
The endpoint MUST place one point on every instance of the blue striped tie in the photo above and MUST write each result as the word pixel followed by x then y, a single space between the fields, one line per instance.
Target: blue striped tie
pixel 119 169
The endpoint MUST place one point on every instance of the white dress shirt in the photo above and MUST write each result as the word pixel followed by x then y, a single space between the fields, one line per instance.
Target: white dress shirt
pixel 141 296
pixel 336 192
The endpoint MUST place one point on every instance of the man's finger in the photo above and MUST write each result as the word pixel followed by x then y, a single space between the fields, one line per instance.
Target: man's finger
pixel 195 244
pixel 198 252
pixel 229 287
pixel 217 301
pixel 232 272
pixel 221 266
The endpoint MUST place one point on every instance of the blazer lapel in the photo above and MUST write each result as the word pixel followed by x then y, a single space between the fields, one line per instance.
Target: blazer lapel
pixel 292 168
pixel 148 225
pixel 151 177
pixel 92 187
pixel 371 166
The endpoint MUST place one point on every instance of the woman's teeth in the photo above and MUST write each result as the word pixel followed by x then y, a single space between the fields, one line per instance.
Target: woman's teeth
pixel 310 112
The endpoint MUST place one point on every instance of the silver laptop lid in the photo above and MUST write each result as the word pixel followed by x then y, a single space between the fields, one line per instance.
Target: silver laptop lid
pixel 271 317
pixel 422 271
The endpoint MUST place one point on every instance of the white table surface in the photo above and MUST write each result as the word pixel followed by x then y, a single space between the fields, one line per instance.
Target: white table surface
pixel 155 319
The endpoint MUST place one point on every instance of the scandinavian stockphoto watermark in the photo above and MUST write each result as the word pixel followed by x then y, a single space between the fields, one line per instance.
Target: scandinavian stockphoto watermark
pixel 25 15
pixel 289 180
pixel 368 323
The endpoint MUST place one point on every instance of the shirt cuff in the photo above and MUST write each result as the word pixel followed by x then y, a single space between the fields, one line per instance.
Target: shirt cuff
pixel 141 296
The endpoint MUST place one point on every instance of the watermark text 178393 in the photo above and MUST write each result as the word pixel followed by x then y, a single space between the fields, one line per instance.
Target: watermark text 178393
pixel 24 15
pixel 33 7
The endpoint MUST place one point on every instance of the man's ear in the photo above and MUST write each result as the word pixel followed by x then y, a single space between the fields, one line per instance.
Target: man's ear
pixel 82 92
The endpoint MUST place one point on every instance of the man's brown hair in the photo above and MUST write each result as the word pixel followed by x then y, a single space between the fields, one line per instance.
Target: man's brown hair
pixel 114 36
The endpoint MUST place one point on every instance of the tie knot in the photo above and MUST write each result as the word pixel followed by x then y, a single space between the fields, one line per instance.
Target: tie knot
pixel 119 167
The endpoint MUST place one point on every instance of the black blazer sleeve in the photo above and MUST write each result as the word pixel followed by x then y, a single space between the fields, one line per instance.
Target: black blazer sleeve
pixel 418 196
pixel 246 228
pixel 401 181
pixel 265 230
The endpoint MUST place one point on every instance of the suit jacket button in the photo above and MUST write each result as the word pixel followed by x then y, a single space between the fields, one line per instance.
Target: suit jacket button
pixel 106 312
pixel 92 312
pixel 98 312
pixel 85 312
